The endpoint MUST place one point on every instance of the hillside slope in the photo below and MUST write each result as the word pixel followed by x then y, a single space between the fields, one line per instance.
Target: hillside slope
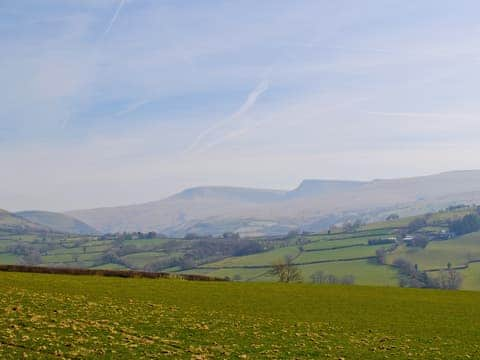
pixel 12 223
pixel 58 222
pixel 314 205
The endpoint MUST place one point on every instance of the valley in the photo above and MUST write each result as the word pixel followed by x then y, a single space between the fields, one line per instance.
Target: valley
pixel 366 254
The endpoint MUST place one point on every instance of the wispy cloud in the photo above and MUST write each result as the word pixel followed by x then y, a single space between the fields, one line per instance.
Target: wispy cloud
pixel 415 79
pixel 131 107
pixel 214 134
pixel 114 18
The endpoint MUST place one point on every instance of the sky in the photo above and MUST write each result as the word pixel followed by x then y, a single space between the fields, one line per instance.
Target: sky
pixel 110 102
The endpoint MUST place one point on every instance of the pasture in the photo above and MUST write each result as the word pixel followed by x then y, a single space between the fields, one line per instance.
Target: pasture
pixel 61 316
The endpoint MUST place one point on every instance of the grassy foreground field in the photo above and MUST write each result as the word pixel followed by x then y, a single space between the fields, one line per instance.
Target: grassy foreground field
pixel 59 316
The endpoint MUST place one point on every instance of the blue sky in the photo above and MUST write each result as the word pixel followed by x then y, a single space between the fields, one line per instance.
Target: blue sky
pixel 116 102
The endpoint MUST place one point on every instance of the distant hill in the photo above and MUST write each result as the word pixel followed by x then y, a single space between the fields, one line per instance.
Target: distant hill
pixel 226 193
pixel 58 222
pixel 310 188
pixel 314 205
pixel 13 223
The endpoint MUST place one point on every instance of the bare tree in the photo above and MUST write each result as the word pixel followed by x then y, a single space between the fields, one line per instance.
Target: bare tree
pixel 286 270
pixel 381 255
pixel 318 277
pixel 450 278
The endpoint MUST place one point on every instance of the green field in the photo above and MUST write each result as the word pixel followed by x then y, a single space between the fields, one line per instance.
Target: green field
pixel 341 253
pixel 437 254
pixel 265 258
pixel 328 244
pixel 336 252
pixel 59 316
pixel 471 276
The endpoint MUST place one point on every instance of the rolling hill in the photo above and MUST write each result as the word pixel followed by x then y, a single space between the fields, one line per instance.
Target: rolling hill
pixel 11 223
pixel 314 205
pixel 58 222
pixel 342 253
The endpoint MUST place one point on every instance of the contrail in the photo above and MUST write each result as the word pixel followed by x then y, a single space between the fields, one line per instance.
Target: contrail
pixel 132 107
pixel 246 106
pixel 114 18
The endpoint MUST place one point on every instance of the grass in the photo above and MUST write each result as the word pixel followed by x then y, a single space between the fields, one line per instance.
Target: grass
pixel 138 260
pixel 364 272
pixel 328 244
pixel 235 274
pixel 147 242
pixel 9 259
pixel 266 258
pixel 91 248
pixel 66 257
pixel 48 316
pixel 110 266
pixel 471 277
pixel 345 253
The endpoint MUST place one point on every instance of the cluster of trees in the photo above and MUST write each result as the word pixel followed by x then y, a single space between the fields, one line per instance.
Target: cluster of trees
pixel 468 224
pixel 112 257
pixel 465 225
pixel 33 257
pixel 226 236
pixel 419 240
pixel 29 255
pixel 350 226
pixel 457 207
pixel 416 224
pixel 448 279
pixel 411 276
pixel 132 236
pixel 121 248
pixel 320 277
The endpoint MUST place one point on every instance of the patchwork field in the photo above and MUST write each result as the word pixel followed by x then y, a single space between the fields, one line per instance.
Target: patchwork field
pixel 59 316
pixel 342 253
pixel 339 252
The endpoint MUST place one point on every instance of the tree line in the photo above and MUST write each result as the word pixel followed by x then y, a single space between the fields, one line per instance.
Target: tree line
pixel 411 276
pixel 286 271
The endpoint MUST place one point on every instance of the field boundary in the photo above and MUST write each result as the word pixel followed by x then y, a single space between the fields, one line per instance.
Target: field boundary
pixel 294 263
pixel 458 267
pixel 334 247
pixel 106 273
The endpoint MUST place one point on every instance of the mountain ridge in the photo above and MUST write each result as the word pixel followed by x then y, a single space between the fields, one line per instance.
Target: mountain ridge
pixel 268 211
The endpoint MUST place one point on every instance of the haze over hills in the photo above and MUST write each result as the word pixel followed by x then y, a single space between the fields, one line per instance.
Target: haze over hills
pixel 34 222
pixel 314 205
pixel 13 223
pixel 57 222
